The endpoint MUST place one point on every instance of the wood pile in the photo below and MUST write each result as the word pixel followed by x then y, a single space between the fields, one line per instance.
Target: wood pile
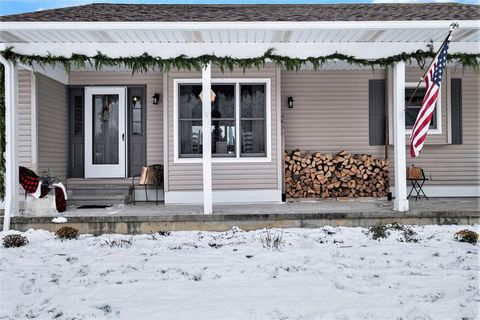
pixel 314 175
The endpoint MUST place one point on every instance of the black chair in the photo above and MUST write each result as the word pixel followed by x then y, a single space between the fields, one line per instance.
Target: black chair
pixel 157 184
pixel 417 178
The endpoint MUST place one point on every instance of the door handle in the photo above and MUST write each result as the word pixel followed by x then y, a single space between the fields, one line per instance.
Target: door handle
pixel 123 136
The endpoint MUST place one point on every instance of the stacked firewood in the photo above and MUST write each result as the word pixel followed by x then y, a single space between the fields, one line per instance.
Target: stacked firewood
pixel 313 175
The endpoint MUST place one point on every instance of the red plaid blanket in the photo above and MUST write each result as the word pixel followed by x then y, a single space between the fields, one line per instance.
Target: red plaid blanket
pixel 30 183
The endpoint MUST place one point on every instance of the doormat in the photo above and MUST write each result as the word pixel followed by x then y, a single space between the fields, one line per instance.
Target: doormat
pixel 95 206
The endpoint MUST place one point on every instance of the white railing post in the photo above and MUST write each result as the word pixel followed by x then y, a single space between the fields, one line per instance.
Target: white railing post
pixel 11 145
pixel 207 138
pixel 401 201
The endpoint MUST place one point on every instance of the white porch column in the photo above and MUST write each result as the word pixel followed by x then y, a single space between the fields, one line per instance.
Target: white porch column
pixel 207 139
pixel 401 201
pixel 11 148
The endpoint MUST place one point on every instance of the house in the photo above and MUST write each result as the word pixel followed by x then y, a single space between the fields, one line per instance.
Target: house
pixel 99 124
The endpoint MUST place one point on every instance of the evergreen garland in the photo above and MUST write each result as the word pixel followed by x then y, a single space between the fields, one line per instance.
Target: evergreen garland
pixel 146 62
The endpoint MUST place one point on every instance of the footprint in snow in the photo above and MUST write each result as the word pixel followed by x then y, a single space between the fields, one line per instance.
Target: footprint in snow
pixel 27 286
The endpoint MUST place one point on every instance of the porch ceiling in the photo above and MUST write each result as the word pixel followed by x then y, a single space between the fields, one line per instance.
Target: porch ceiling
pixel 307 35
pixel 363 39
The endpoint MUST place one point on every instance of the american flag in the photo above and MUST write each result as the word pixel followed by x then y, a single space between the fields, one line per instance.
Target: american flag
pixel 433 78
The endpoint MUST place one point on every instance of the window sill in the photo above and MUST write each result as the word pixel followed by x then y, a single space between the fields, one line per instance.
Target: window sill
pixel 408 132
pixel 224 160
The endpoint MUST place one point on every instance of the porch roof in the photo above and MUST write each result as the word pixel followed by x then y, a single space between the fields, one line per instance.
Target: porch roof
pixel 256 12
pixel 365 31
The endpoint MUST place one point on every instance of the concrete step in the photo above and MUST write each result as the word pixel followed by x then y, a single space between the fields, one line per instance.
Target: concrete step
pixel 102 199
pixel 98 182
pixel 84 190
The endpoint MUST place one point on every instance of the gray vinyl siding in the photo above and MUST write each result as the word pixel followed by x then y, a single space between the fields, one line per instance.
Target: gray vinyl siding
pixel 331 113
pixel 225 176
pixel 24 119
pixel 154 83
pixel 52 127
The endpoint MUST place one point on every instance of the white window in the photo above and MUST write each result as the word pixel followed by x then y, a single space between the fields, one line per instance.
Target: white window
pixel 412 110
pixel 240 126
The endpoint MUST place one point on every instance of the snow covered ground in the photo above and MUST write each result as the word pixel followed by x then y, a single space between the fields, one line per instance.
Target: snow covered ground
pixel 328 273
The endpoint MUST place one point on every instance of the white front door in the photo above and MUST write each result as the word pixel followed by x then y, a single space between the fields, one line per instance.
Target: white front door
pixel 105 133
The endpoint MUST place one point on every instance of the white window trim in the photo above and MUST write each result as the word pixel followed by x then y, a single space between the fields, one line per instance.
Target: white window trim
pixel 236 82
pixel 437 130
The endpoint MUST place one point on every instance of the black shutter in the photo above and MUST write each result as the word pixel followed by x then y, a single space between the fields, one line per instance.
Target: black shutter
pixel 376 112
pixel 77 131
pixel 137 129
pixel 456 112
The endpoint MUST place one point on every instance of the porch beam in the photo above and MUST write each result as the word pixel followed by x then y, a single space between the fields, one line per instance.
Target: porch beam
pixel 11 146
pixel 400 163
pixel 207 138
pixel 238 50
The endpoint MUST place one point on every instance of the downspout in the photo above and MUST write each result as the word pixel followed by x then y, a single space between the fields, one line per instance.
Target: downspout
pixel 11 169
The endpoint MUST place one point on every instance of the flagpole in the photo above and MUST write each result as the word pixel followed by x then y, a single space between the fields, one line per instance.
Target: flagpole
pixel 453 26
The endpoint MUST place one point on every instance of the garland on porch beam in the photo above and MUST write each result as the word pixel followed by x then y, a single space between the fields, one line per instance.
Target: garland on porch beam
pixel 146 62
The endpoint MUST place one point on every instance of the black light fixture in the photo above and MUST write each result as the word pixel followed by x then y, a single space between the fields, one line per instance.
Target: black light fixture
pixel 156 98
pixel 290 102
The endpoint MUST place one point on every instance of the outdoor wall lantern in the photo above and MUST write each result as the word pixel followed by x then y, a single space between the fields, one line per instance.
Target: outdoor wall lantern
pixel 290 102
pixel 156 98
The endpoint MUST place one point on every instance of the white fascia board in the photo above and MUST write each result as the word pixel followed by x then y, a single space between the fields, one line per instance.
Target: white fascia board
pixel 244 25
pixel 238 50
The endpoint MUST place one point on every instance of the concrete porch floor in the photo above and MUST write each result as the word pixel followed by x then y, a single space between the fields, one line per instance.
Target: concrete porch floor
pixel 290 207
pixel 148 217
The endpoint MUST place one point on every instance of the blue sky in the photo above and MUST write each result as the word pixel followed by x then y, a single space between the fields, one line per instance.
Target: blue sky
pixel 18 6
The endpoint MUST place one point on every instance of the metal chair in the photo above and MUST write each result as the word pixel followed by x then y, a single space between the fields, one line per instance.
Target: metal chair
pixel 417 178
pixel 157 183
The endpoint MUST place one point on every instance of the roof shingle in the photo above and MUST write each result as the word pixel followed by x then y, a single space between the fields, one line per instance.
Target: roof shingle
pixel 257 12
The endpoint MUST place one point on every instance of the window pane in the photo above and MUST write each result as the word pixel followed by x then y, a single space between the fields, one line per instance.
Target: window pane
pixel 224 105
pixel 252 101
pixel 78 116
pixel 189 102
pixel 190 138
pixel 253 138
pixel 136 128
pixel 411 111
pixel 223 138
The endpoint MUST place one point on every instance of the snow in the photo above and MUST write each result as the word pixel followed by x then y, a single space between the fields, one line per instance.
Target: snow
pixel 326 273
pixel 59 220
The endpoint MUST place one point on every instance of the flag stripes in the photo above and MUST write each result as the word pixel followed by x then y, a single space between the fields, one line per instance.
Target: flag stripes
pixel 433 79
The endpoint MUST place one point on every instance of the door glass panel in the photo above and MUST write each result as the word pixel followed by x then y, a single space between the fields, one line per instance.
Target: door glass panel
pixel 105 129
pixel 137 115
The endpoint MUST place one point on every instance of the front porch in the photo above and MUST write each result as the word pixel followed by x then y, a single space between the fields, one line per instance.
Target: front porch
pixel 146 218
pixel 158 116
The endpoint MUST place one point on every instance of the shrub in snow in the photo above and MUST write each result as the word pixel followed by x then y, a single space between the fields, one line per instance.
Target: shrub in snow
pixel 467 236
pixel 383 231
pixel 67 233
pixel 14 240
pixel 272 241
pixel 119 243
